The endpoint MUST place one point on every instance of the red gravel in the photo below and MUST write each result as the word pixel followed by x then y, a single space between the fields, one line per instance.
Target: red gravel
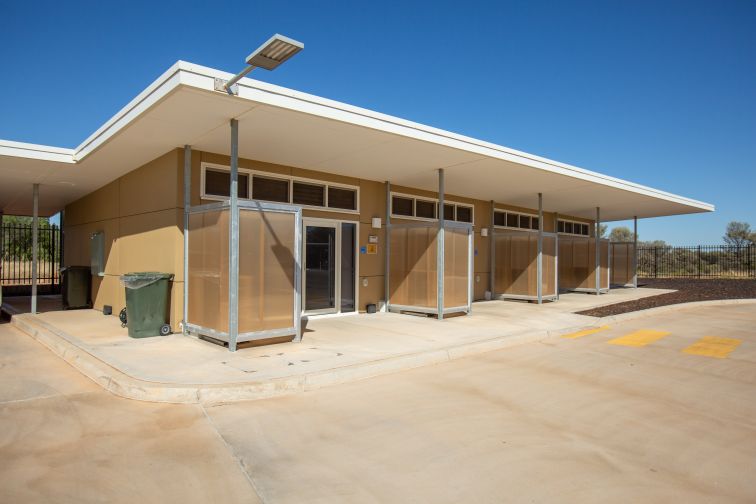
pixel 688 290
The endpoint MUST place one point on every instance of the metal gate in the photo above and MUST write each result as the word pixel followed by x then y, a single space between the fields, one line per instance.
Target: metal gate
pixel 16 259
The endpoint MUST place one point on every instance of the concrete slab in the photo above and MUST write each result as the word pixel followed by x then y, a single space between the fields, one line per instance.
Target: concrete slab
pixel 334 349
pixel 564 420
pixel 63 439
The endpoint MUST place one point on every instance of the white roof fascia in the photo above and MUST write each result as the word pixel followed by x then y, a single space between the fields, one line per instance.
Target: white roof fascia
pixel 278 96
pixel 201 77
pixel 36 151
pixel 160 88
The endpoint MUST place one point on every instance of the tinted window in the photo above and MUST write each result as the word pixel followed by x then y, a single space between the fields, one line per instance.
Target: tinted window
pixel 425 209
pixel 524 222
pixel 560 226
pixel 217 182
pixel 464 214
pixel 584 229
pixel 269 189
pixel 568 227
pixel 401 206
pixel 308 194
pixel 448 212
pixel 534 223
pixel 342 198
pixel 511 220
pixel 500 219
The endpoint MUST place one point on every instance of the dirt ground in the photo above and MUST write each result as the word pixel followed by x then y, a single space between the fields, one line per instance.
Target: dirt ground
pixel 688 290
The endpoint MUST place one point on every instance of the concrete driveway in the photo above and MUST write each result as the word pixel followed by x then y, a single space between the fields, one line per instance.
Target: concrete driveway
pixel 649 410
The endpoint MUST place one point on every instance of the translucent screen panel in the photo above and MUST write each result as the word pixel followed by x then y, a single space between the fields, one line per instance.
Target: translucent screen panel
pixel 266 270
pixel 577 263
pixel 622 263
pixel 549 262
pixel 456 267
pixel 208 270
pixel 516 257
pixel 413 266
pixel 517 264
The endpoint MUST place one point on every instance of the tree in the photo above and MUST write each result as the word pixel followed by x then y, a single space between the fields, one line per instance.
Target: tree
pixel 621 234
pixel 602 230
pixel 739 234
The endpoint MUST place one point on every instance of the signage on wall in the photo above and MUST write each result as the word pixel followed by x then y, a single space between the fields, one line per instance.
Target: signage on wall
pixel 373 239
pixel 372 248
pixel 363 250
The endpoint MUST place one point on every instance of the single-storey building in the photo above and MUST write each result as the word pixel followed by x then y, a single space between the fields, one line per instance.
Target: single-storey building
pixel 340 209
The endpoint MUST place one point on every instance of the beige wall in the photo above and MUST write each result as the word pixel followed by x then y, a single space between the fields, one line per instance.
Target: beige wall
pixel 142 218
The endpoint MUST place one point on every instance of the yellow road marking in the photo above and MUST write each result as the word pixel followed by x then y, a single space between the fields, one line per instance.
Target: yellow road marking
pixel 713 346
pixel 585 332
pixel 639 338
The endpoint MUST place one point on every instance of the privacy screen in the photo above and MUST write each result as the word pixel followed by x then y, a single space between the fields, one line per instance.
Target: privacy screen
pixel 516 264
pixel 577 263
pixel 266 270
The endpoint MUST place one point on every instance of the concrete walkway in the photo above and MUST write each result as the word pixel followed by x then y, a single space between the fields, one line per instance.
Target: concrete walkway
pixel 579 419
pixel 334 350
pixel 64 439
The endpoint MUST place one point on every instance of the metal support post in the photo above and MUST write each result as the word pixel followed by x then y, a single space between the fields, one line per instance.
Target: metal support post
pixel 233 238
pixel 556 254
pixel 440 242
pixel 492 251
pixel 35 246
pixel 387 247
pixel 539 264
pixel 2 245
pixel 635 252
pixel 598 251
pixel 187 205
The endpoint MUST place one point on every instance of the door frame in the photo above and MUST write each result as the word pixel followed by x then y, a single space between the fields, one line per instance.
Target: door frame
pixel 336 224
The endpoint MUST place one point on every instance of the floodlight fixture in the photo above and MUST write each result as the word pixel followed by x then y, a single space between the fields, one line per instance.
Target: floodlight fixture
pixel 276 50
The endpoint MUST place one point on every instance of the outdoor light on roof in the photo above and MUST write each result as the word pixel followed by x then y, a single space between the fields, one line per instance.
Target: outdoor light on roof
pixel 268 56
pixel 274 52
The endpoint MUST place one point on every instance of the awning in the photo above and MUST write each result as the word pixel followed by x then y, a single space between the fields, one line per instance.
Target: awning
pixel 279 125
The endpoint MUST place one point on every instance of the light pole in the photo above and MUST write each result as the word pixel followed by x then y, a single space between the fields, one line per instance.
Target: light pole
pixel 269 56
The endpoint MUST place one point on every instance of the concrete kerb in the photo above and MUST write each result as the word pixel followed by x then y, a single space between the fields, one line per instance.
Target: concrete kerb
pixel 650 312
pixel 124 385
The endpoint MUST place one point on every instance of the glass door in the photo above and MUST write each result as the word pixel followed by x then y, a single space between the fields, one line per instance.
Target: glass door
pixel 330 266
pixel 320 269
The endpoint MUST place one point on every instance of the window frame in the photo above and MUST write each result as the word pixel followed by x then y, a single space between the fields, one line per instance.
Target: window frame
pixel 436 205
pixel 573 222
pixel 291 179
pixel 518 214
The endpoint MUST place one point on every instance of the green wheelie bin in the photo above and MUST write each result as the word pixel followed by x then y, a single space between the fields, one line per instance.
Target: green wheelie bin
pixel 147 303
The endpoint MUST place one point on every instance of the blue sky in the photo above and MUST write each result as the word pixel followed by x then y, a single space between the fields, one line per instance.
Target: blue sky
pixel 660 93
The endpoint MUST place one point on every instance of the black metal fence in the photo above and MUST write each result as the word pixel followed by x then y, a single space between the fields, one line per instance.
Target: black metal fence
pixel 702 261
pixel 16 258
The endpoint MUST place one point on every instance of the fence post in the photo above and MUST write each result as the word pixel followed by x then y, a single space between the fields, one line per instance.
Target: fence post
pixel 699 262
pixel 656 262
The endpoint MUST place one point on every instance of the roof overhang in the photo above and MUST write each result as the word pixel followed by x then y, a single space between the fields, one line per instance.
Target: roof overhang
pixel 279 125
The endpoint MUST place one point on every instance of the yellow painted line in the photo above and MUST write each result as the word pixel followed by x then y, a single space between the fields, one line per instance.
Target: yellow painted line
pixel 585 332
pixel 639 338
pixel 713 346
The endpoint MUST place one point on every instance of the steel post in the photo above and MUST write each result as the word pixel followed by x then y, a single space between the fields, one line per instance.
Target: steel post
pixel 556 254
pixel 35 245
pixel 187 204
pixel 387 247
pixel 440 242
pixel 635 252
pixel 492 251
pixel 233 238
pixel 598 251
pixel 539 263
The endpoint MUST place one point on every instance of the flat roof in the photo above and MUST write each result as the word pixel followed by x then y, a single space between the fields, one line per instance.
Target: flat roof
pixel 288 127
